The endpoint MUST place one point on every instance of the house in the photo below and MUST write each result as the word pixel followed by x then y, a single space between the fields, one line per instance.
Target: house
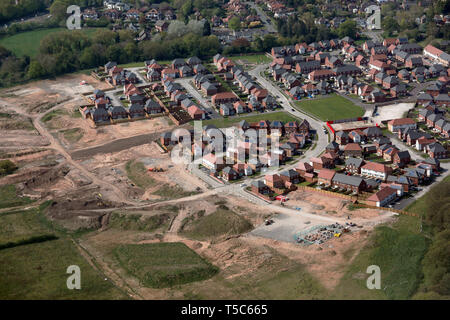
pixel 321 163
pixel 398 90
pixel 401 159
pixel 373 132
pixel 389 153
pixel 437 54
pixel 196 113
pixel 353 150
pixel 226 109
pixel 162 25
pixel 332 146
pixel 376 170
pixel 401 124
pixel 357 136
pixel 152 107
pixel 260 187
pixel 243 169
pixel 383 197
pixel 290 176
pixel 436 151
pixel 303 168
pixel 118 112
pixel 229 174
pixel 325 177
pixel 212 162
pixel 136 111
pixel 274 181
pixel 224 97
pixel 208 88
pixel 322 74
pixel 306 67
pixel 341 137
pixel 343 181
pixel 353 165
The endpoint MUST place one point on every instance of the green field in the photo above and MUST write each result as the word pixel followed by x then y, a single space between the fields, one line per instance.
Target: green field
pixel 9 197
pixel 137 222
pixel 252 58
pixel 219 223
pixel 27 43
pixel 398 250
pixel 35 264
pixel 330 108
pixel 161 265
pixel 228 122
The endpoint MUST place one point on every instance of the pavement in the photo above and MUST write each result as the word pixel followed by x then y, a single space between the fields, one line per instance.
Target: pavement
pixel 265 19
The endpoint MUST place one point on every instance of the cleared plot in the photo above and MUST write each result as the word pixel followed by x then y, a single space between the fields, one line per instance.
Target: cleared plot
pixel 219 223
pixel 161 265
pixel 72 135
pixel 227 122
pixel 9 197
pixel 330 108
pixel 138 222
pixel 138 174
pixel 251 58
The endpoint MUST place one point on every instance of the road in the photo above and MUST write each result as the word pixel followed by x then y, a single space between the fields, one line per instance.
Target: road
pixel 265 19
pixel 186 83
pixel 315 124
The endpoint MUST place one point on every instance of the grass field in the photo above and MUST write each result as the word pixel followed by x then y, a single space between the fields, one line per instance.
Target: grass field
pixel 73 135
pixel 161 265
pixel 228 122
pixel 9 197
pixel 27 43
pixel 137 222
pixel 138 174
pixel 330 108
pixel 420 206
pixel 37 269
pixel 398 250
pixel 219 223
pixel 252 58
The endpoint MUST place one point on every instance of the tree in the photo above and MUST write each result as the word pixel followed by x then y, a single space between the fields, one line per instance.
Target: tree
pixel 234 23
pixel 207 28
pixel 347 29
pixel 35 70
pixel 7 167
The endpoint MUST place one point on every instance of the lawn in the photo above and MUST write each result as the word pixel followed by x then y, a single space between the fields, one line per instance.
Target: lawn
pixel 35 264
pixel 162 265
pixel 137 222
pixel 9 197
pixel 398 250
pixel 38 271
pixel 219 223
pixel 228 122
pixel 252 58
pixel 27 43
pixel 330 108
pixel 420 205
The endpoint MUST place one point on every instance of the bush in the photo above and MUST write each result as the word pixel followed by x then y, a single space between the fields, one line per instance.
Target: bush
pixel 7 167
